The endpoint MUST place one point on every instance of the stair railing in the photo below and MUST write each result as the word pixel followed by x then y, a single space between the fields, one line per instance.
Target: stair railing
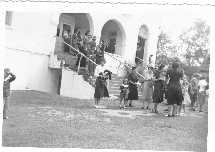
pixel 140 59
pixel 124 63
pixel 112 56
pixel 82 55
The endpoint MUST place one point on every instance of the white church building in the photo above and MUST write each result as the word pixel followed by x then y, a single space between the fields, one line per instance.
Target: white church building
pixel 32 38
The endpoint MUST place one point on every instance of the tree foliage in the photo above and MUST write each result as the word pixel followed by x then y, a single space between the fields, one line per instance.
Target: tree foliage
pixel 166 50
pixel 195 41
pixel 193 45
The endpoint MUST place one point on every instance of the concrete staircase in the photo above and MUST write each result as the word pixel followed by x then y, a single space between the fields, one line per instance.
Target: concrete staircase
pixel 115 85
pixel 73 82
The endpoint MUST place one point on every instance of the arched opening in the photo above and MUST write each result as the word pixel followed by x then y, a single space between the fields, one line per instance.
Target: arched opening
pixel 68 22
pixel 113 35
pixel 141 44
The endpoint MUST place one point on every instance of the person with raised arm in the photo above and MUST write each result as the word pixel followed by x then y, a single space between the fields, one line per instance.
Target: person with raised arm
pixel 8 78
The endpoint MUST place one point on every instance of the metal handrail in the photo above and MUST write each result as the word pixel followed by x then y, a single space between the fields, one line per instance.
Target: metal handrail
pixel 140 59
pixel 105 53
pixel 127 65
pixel 80 53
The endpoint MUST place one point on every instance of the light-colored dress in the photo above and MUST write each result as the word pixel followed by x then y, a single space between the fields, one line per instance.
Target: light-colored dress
pixel 147 87
pixel 186 95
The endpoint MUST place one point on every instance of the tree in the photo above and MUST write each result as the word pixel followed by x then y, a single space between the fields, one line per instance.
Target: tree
pixel 166 50
pixel 196 43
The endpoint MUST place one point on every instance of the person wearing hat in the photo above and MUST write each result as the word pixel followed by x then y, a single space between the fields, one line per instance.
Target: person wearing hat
pixel 8 78
pixel 132 82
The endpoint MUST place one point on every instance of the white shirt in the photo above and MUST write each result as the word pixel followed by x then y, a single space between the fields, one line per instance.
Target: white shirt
pixel 99 69
pixel 202 85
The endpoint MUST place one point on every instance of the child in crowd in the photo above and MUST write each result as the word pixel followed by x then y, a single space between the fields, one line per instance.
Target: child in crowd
pixel 193 91
pixel 186 97
pixel 124 93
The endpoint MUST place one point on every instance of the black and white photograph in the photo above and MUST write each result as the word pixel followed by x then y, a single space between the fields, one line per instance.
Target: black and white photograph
pixel 113 76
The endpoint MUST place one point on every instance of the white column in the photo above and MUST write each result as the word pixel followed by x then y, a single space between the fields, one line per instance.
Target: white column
pixel 98 25
pixel 54 21
pixel 130 46
pixel 151 45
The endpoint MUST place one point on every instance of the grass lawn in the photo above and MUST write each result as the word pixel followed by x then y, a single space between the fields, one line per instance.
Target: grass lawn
pixel 42 120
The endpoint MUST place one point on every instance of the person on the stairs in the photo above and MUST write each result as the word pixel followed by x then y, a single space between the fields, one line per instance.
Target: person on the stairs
pixel 92 57
pixel 133 92
pixel 100 52
pixel 66 39
pixel 75 39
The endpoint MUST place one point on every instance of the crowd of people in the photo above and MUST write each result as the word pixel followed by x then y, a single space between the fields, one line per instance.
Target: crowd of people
pixel 91 53
pixel 158 84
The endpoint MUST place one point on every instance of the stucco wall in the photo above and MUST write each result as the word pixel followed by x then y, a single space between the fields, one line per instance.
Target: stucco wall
pixel 28 42
pixel 32 71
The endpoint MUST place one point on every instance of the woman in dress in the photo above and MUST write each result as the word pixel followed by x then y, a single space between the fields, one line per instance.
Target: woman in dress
pixel 186 97
pixel 159 87
pixel 100 88
pixel 147 89
pixel 133 92
pixel 174 91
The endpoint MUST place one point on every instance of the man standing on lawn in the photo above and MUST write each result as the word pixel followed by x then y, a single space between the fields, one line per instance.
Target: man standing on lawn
pixel 8 78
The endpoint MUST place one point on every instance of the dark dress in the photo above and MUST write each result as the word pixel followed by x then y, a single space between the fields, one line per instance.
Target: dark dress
pixel 100 89
pixel 174 90
pixel 159 88
pixel 133 92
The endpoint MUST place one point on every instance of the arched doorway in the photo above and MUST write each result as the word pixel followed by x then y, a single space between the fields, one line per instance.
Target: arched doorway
pixel 113 35
pixel 141 44
pixel 69 22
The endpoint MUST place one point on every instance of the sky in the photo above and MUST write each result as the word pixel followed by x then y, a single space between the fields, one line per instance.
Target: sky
pixel 179 21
